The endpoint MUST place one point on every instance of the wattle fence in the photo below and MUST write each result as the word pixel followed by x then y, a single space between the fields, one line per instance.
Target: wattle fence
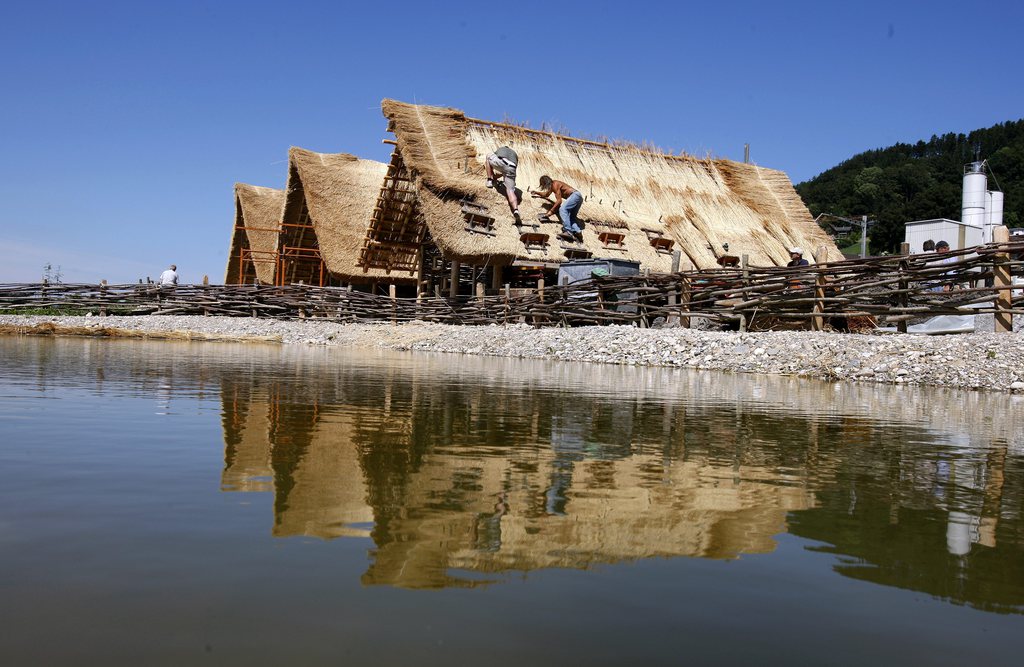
pixel 853 294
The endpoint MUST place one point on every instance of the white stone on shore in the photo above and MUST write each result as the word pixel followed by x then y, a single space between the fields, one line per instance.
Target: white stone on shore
pixel 980 360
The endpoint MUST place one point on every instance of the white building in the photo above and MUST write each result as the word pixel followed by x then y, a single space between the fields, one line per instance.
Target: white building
pixel 981 211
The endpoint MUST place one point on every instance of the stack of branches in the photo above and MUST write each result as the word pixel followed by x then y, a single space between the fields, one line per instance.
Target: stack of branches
pixel 884 289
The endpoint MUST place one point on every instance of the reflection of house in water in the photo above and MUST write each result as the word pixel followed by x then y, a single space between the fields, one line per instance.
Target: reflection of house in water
pixel 494 515
pixel 463 478
pixel 460 472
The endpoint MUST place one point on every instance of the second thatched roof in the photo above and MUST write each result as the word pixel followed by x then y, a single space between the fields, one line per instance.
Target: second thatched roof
pixel 256 230
pixel 339 192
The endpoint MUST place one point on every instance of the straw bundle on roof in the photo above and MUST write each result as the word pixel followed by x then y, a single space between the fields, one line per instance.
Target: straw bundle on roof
pixel 697 203
pixel 339 191
pixel 257 223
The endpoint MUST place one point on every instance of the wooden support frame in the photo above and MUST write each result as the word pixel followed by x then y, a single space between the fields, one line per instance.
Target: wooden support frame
pixel 396 230
pixel 534 241
pixel 613 240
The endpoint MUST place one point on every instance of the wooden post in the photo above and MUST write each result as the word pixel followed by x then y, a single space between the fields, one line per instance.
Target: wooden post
pixel 453 286
pixel 904 248
pixel 745 268
pixel 685 302
pixel 103 290
pixel 206 280
pixel 642 308
pixel 1002 282
pixel 508 298
pixel 480 291
pixel 818 322
pixel 421 267
pixel 904 285
pixel 393 294
pixel 496 277
pixel 540 289
pixel 677 257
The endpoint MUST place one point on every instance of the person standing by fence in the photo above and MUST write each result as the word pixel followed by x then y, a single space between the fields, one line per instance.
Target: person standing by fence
pixel 169 277
pixel 796 257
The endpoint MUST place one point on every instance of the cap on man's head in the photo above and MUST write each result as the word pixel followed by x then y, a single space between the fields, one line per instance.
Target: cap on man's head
pixel 796 250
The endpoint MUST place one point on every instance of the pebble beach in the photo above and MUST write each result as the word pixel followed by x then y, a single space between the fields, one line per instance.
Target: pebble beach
pixel 980 361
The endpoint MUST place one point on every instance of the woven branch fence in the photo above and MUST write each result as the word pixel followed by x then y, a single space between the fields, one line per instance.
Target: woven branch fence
pixel 880 290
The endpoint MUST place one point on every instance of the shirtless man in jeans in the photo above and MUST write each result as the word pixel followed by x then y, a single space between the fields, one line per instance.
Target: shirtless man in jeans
pixel 568 202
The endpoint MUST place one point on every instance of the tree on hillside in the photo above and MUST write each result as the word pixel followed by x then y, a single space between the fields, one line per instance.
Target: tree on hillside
pixel 919 181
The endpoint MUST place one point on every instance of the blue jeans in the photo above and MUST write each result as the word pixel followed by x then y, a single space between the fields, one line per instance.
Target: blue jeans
pixel 568 210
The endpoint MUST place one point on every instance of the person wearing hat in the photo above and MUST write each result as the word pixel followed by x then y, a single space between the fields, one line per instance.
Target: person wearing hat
pixel 796 257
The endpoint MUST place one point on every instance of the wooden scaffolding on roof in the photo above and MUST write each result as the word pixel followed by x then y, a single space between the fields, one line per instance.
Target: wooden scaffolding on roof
pixel 395 235
pixel 248 257
pixel 298 256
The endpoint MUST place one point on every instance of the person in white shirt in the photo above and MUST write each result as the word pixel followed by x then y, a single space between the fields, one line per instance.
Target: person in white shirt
pixel 170 276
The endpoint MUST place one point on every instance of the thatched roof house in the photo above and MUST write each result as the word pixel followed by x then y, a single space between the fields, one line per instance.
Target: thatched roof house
pixel 639 204
pixel 330 198
pixel 253 253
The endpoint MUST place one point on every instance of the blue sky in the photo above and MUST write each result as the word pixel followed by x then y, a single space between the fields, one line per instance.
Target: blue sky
pixel 125 124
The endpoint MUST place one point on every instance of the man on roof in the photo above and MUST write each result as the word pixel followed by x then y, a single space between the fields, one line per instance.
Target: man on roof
pixel 567 205
pixel 504 162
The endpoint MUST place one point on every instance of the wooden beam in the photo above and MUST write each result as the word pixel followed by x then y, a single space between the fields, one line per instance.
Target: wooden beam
pixel 453 285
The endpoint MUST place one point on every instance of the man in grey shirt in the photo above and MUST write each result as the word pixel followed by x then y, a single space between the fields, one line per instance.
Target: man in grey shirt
pixel 504 162
pixel 170 276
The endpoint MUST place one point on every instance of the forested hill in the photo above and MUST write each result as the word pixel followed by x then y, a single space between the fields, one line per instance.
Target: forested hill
pixel 919 181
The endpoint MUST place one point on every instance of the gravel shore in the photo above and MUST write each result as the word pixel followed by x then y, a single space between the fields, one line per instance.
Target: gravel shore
pixel 968 361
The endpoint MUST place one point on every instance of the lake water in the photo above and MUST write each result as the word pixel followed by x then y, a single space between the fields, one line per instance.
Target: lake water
pixel 186 503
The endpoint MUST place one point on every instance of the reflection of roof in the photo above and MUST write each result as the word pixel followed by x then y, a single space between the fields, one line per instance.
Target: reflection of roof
pixel 697 203
pixel 246 443
pixel 614 512
pixel 329 494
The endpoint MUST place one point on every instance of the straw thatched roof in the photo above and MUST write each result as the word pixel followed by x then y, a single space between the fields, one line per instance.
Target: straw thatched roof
pixel 338 191
pixel 697 203
pixel 257 224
